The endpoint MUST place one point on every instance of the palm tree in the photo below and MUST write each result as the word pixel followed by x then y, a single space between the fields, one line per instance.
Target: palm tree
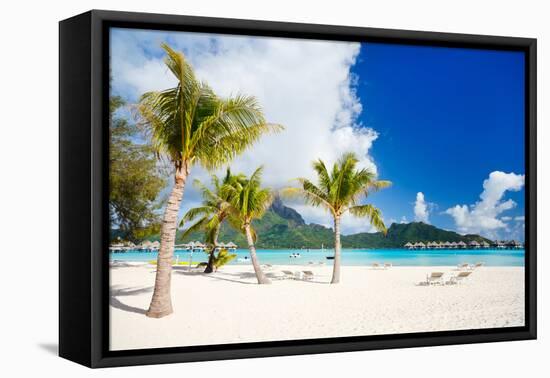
pixel 189 125
pixel 213 211
pixel 339 192
pixel 249 201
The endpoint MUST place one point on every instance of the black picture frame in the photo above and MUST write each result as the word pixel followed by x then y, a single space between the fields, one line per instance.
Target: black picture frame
pixel 83 179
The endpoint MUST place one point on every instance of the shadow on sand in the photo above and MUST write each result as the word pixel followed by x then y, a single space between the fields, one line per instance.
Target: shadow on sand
pixel 126 292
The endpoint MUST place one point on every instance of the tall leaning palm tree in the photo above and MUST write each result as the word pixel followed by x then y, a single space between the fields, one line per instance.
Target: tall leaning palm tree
pixel 249 201
pixel 339 192
pixel 212 212
pixel 190 125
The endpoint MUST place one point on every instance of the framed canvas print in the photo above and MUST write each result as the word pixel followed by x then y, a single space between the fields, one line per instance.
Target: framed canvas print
pixel 234 188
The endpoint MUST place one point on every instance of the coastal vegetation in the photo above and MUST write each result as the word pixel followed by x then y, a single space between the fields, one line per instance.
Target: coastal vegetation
pixel 339 192
pixel 248 201
pixel 222 258
pixel 190 125
pixel 133 209
pixel 212 212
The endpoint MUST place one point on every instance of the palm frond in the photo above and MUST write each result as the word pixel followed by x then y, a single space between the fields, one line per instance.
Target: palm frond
pixel 309 192
pixel 372 213
pixel 196 212
pixel 189 123
pixel 195 227
pixel 324 178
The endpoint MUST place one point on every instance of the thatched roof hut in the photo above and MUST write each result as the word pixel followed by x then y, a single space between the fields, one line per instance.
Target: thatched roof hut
pixel 199 244
pixel 514 244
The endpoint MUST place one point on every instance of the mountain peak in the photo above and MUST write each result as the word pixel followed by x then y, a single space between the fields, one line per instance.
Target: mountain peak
pixel 287 213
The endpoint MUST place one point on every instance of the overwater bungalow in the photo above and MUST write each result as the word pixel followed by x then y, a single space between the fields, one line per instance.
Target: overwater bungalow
pixel 117 248
pixel 198 246
pixel 220 246
pixel 181 247
pixel 231 246
pixel 155 245
pixel 145 246
pixel 514 244
pixel 474 244
pixel 500 244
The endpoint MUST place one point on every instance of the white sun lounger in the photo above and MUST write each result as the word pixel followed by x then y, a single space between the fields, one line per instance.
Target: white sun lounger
pixel 308 275
pixel 287 275
pixel 435 278
pixel 458 278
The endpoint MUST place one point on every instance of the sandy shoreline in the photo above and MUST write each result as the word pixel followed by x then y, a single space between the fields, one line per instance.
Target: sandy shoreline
pixel 228 307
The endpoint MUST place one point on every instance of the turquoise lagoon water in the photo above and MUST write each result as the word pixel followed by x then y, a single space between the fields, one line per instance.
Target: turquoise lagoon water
pixel 397 257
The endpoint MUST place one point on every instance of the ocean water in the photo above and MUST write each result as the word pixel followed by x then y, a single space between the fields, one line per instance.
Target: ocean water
pixel 397 257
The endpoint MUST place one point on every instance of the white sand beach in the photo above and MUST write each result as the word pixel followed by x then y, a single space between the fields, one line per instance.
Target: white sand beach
pixel 229 307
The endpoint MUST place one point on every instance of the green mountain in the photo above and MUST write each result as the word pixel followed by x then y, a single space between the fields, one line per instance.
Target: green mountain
pixel 283 227
pixel 400 234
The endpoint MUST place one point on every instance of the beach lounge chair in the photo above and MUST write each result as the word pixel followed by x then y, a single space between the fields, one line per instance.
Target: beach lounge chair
pixel 477 265
pixel 387 265
pixel 459 278
pixel 376 266
pixel 308 275
pixel 267 266
pixel 287 275
pixel 463 266
pixel 434 278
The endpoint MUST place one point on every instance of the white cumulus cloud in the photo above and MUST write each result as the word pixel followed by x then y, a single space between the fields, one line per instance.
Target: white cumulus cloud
pixel 483 216
pixel 421 212
pixel 305 85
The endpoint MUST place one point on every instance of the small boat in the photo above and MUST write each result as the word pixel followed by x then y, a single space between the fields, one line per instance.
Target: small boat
pixel 329 257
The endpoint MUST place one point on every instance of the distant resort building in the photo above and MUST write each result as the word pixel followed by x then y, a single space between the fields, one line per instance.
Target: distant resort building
pixel 474 244
pixel 149 246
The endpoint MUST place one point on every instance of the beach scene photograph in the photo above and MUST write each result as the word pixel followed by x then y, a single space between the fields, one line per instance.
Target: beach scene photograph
pixel 271 189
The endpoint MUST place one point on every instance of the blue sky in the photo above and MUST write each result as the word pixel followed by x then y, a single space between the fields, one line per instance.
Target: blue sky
pixel 445 123
pixel 446 118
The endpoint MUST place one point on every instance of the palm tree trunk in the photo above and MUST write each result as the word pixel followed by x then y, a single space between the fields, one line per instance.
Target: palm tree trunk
pixel 161 303
pixel 262 279
pixel 337 252
pixel 210 265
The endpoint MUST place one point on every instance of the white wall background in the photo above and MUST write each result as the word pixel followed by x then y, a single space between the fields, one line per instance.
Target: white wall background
pixel 29 185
